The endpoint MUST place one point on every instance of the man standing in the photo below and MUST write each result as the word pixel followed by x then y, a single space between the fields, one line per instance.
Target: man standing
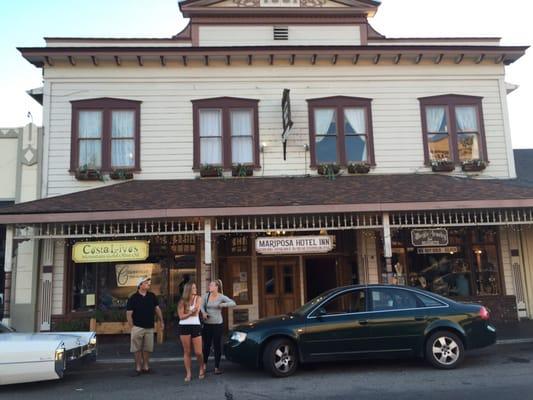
pixel 140 313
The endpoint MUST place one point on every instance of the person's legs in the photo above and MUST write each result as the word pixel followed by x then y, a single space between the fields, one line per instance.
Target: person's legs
pixel 217 343
pixel 207 337
pixel 136 347
pixel 148 347
pixel 197 346
pixel 186 343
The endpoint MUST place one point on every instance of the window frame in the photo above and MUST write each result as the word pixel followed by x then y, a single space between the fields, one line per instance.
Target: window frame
pixel 340 103
pixel 450 102
pixel 106 105
pixel 226 105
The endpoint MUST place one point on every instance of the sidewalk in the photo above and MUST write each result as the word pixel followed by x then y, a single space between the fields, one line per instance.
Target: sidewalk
pixel 116 349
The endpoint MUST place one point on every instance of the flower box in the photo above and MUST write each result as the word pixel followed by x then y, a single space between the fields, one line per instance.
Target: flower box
pixel 210 171
pixel 359 168
pixel 328 169
pixel 89 175
pixel 473 165
pixel 242 170
pixel 442 166
pixel 121 174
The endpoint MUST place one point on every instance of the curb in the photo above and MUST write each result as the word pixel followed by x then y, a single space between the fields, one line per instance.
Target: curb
pixel 514 341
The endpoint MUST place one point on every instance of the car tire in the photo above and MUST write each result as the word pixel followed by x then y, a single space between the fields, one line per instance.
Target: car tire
pixel 280 358
pixel 445 350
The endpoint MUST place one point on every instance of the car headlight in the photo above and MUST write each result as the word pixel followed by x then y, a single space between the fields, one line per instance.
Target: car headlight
pixel 238 336
pixel 92 341
pixel 60 354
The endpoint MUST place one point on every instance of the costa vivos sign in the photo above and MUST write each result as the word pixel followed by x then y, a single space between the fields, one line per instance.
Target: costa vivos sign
pixel 294 244
pixel 126 250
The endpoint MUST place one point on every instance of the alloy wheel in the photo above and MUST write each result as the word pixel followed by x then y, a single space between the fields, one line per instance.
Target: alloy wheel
pixel 284 358
pixel 445 350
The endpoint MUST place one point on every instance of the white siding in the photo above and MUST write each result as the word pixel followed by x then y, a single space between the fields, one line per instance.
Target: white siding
pixel 58 278
pixel 299 35
pixel 8 168
pixel 166 110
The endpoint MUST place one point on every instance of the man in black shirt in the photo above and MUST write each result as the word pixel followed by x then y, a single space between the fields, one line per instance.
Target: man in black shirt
pixel 140 313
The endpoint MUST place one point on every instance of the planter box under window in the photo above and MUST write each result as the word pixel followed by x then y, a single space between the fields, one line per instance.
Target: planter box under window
pixel 211 172
pixel 443 166
pixel 242 170
pixel 473 166
pixel 359 168
pixel 328 169
pixel 121 175
pixel 88 175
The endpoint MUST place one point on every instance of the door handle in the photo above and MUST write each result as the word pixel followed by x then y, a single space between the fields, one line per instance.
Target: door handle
pixel 363 322
pixel 421 318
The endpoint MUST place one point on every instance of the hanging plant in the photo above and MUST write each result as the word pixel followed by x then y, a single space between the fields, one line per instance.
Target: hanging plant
pixel 329 170
pixel 473 165
pixel 242 170
pixel 84 173
pixel 359 168
pixel 443 165
pixel 210 171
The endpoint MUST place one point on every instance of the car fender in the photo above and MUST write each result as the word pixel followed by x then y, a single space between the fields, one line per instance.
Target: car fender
pixel 441 324
pixel 278 332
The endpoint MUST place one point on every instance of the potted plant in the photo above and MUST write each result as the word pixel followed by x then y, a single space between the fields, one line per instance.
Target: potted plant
pixel 210 171
pixel 121 174
pixel 473 165
pixel 242 170
pixel 442 165
pixel 86 173
pixel 359 168
pixel 331 170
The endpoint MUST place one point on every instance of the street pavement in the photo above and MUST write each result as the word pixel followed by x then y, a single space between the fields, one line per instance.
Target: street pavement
pixel 498 372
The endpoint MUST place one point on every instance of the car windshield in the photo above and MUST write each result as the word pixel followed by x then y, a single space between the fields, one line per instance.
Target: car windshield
pixel 312 303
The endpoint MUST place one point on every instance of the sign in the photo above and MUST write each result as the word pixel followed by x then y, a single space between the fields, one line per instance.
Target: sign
pixel 294 244
pixel 286 119
pixel 438 250
pixel 129 274
pixel 93 252
pixel 429 237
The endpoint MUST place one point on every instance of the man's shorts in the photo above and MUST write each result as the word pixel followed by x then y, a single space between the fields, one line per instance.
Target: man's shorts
pixel 142 339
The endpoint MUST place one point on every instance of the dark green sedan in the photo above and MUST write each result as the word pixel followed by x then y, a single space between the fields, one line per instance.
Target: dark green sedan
pixel 370 321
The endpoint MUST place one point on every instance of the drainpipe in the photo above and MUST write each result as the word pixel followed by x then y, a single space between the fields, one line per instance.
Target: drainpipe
pixel 387 246
pixel 8 264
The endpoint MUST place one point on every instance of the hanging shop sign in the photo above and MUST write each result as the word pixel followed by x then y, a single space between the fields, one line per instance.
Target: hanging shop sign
pixel 438 250
pixel 286 119
pixel 93 252
pixel 294 244
pixel 429 237
pixel 129 274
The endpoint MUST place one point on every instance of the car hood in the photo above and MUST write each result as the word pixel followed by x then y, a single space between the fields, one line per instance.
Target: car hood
pixel 70 340
pixel 269 322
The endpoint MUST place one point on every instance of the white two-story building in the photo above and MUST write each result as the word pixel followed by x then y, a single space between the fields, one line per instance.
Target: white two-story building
pixel 282 145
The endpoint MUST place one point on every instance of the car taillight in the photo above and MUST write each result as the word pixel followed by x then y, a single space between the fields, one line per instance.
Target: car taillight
pixel 484 313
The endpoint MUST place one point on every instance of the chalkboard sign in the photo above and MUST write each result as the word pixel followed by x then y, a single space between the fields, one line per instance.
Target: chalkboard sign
pixel 429 237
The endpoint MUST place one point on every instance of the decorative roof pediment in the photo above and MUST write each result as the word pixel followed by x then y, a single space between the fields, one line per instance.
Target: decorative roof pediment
pixel 225 7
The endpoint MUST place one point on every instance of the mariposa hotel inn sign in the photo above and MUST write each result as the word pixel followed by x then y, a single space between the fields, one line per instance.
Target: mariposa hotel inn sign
pixel 294 244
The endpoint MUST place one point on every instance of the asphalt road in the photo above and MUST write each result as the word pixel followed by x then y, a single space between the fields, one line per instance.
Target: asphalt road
pixel 499 372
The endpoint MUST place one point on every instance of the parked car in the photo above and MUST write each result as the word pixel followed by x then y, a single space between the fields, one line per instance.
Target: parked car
pixel 29 357
pixel 368 321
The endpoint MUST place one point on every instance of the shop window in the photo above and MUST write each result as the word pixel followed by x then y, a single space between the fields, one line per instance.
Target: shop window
pixel 234 245
pixel 226 132
pixel 453 128
pixel 346 303
pixel 105 134
pixel 340 130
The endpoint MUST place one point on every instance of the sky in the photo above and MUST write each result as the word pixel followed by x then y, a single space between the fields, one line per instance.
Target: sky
pixel 24 23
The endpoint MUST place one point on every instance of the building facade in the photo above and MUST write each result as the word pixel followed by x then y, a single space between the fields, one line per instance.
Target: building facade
pixel 284 146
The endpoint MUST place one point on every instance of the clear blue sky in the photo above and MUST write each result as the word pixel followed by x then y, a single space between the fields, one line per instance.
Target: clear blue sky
pixel 25 22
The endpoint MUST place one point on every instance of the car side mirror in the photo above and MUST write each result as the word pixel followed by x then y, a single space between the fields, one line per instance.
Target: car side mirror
pixel 321 312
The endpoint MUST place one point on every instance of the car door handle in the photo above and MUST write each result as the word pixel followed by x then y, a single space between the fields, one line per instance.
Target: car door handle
pixel 363 322
pixel 421 318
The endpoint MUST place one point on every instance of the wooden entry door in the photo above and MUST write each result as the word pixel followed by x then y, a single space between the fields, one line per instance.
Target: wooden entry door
pixel 279 286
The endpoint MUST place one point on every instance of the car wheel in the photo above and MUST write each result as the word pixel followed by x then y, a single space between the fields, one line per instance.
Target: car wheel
pixel 280 358
pixel 445 350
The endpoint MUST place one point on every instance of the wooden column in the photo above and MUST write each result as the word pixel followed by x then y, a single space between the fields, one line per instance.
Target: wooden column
pixel 8 266
pixel 387 246
pixel 45 287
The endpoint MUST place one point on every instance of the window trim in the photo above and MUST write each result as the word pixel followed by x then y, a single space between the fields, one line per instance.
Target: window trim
pixel 226 104
pixel 450 102
pixel 106 105
pixel 340 103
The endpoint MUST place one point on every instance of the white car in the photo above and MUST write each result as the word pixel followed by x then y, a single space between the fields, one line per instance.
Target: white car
pixel 29 357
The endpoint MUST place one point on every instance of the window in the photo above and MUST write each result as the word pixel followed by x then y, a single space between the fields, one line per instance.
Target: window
pixel 384 299
pixel 340 130
pixel 453 128
pixel 226 132
pixel 105 134
pixel 346 303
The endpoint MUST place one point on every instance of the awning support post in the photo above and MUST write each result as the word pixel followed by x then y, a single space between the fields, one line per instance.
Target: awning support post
pixel 8 266
pixel 387 247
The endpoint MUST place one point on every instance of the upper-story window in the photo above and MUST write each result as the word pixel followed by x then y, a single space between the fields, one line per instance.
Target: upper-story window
pixel 105 134
pixel 340 130
pixel 453 128
pixel 226 132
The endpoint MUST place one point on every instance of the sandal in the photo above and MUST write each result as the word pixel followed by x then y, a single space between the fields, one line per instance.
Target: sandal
pixel 218 371
pixel 187 379
pixel 202 374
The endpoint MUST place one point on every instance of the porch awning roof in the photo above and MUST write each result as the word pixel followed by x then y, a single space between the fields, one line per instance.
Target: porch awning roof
pixel 145 199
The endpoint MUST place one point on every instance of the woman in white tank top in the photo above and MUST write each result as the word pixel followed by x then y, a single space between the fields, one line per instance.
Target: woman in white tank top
pixel 190 329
